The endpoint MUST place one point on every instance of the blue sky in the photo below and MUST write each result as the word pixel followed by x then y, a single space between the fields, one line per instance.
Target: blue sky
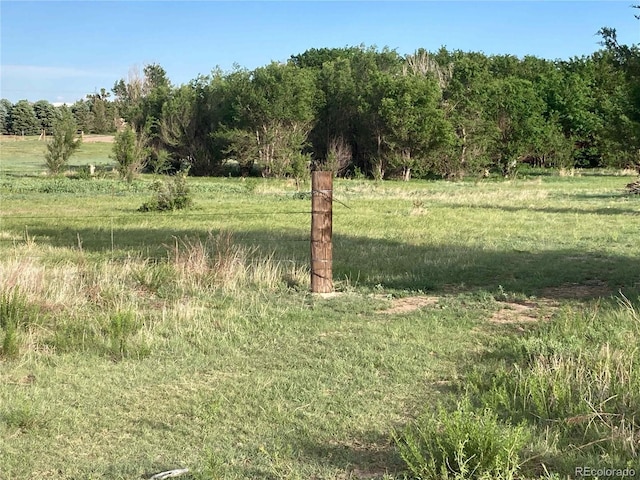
pixel 61 51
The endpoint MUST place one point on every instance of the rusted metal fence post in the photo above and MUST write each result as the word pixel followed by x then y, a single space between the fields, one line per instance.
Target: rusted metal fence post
pixel 321 231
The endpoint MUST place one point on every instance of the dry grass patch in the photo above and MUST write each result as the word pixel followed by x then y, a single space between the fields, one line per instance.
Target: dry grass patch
pixel 522 312
pixel 403 305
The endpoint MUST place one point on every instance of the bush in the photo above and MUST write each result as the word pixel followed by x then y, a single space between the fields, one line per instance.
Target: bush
pixel 171 194
pixel 463 444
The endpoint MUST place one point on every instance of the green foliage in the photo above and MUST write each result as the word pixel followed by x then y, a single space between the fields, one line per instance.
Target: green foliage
pixel 83 115
pixel 299 169
pixel 415 125
pixel 130 152
pixel 160 162
pixel 462 444
pixel 46 114
pixel 100 116
pixel 15 312
pixel 577 378
pixel 274 109
pixel 446 113
pixel 189 125
pixel 121 327
pixel 22 119
pixel 171 194
pixel 5 110
pixel 63 144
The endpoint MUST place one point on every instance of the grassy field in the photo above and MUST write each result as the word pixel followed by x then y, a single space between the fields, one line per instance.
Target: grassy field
pixel 469 312
pixel 30 154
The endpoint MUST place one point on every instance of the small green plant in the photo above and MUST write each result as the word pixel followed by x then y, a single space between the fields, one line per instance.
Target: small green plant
pixel 21 416
pixel 121 326
pixel 358 174
pixel 14 312
pixel 300 168
pixel 157 278
pixel 462 444
pixel 171 194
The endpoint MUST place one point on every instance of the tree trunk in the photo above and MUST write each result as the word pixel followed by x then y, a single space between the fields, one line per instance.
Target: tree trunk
pixel 406 169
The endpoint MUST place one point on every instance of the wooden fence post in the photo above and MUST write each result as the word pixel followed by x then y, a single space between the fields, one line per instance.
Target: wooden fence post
pixel 321 231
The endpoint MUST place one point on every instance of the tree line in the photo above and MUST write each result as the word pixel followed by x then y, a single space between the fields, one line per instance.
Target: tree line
pixel 95 114
pixel 361 110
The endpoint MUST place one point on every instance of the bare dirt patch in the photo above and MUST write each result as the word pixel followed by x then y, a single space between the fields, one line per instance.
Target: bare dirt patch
pixel 409 304
pixel 523 312
pixel 515 313
pixel 98 138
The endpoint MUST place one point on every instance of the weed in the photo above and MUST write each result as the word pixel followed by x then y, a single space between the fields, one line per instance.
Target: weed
pixel 462 444
pixel 15 312
pixel 122 325
pixel 21 415
pixel 157 278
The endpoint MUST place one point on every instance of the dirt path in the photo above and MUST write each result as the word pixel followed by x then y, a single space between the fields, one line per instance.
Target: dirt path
pixel 98 138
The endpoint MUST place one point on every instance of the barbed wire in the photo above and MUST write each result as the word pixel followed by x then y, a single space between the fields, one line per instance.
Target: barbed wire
pixel 137 216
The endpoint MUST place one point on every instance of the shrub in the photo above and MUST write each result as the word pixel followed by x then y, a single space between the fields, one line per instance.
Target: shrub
pixel 462 444
pixel 171 194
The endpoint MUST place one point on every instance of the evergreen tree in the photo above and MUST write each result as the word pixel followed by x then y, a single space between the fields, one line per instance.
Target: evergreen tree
pixel 23 119
pixel 63 144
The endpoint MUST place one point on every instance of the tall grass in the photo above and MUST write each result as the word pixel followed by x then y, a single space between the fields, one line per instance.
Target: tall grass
pixel 573 388
pixel 217 262
pixel 88 306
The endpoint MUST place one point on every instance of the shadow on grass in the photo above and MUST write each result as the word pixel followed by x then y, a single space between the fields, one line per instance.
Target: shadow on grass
pixel 369 457
pixel 587 211
pixel 391 264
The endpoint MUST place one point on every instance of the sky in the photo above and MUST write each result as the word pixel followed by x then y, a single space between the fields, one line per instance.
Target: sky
pixel 62 51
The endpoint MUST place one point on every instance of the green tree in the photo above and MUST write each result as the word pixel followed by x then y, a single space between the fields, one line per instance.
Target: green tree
pixel 414 122
pixel 130 152
pixel 336 106
pixel 63 144
pixel 139 98
pixel 23 119
pixel 621 132
pixel 277 106
pixel 46 114
pixel 517 115
pixel 191 120
pixel 5 110
pixel 371 71
pixel 83 115
pixel 102 111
